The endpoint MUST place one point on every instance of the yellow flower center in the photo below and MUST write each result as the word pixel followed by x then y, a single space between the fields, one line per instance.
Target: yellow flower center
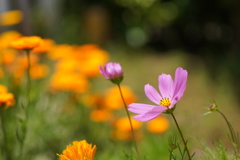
pixel 165 102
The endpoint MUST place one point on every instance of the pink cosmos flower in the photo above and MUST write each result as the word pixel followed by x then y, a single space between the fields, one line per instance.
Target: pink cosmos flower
pixel 112 71
pixel 171 92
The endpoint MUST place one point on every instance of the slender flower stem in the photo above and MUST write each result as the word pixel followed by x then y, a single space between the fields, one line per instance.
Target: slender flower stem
pixel 26 105
pixel 28 77
pixel 233 135
pixel 129 118
pixel 5 148
pixel 180 132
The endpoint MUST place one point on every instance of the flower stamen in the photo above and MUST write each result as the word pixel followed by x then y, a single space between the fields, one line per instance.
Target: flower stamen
pixel 166 102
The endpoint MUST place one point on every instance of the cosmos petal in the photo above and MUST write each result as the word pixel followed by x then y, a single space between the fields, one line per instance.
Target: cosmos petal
pixel 140 108
pixel 150 114
pixel 165 82
pixel 152 94
pixel 179 83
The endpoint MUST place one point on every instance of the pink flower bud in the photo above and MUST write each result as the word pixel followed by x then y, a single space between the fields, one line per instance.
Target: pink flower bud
pixel 113 72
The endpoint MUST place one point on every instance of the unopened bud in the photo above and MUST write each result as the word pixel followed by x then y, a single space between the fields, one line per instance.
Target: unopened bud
pixel 112 71
pixel 213 107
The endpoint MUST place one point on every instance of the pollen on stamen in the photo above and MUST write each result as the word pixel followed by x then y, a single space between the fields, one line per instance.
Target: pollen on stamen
pixel 166 102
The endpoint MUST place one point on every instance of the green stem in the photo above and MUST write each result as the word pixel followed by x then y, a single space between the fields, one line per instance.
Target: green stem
pixel 129 118
pixel 5 148
pixel 180 132
pixel 26 106
pixel 28 77
pixel 233 135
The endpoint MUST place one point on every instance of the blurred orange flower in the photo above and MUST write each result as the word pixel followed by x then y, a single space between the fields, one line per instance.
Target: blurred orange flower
pixel 45 46
pixel 17 66
pixel 80 150
pixel 90 57
pixel 113 99
pixel 26 42
pixel 124 125
pixel 67 65
pixel 22 62
pixel 7 56
pixel 10 18
pixel 60 52
pixel 94 100
pixel 7 37
pixel 67 81
pixel 3 89
pixel 38 71
pixel 6 99
pixel 122 129
pixel 100 115
pixel 158 125
pixel 126 136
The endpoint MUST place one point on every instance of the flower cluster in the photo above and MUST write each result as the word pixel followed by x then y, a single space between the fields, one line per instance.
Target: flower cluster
pixel 69 75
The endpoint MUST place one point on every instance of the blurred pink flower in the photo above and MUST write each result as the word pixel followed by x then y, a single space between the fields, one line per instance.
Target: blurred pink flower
pixel 170 93
pixel 112 71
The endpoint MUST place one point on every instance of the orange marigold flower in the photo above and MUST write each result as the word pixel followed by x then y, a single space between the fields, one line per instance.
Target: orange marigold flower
pixel 125 135
pixel 67 65
pixel 22 62
pixel 93 100
pixel 122 129
pixel 6 99
pixel 68 81
pixel 45 46
pixel 8 56
pixel 38 71
pixel 90 57
pixel 100 115
pixel 60 52
pixel 124 125
pixel 158 125
pixel 10 18
pixel 7 37
pixel 80 150
pixel 113 99
pixel 26 42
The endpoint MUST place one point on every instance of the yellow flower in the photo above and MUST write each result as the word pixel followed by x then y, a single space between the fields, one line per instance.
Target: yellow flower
pixel 158 125
pixel 80 150
pixel 6 99
pixel 3 89
pixel 26 42
pixel 10 18
pixel 113 99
